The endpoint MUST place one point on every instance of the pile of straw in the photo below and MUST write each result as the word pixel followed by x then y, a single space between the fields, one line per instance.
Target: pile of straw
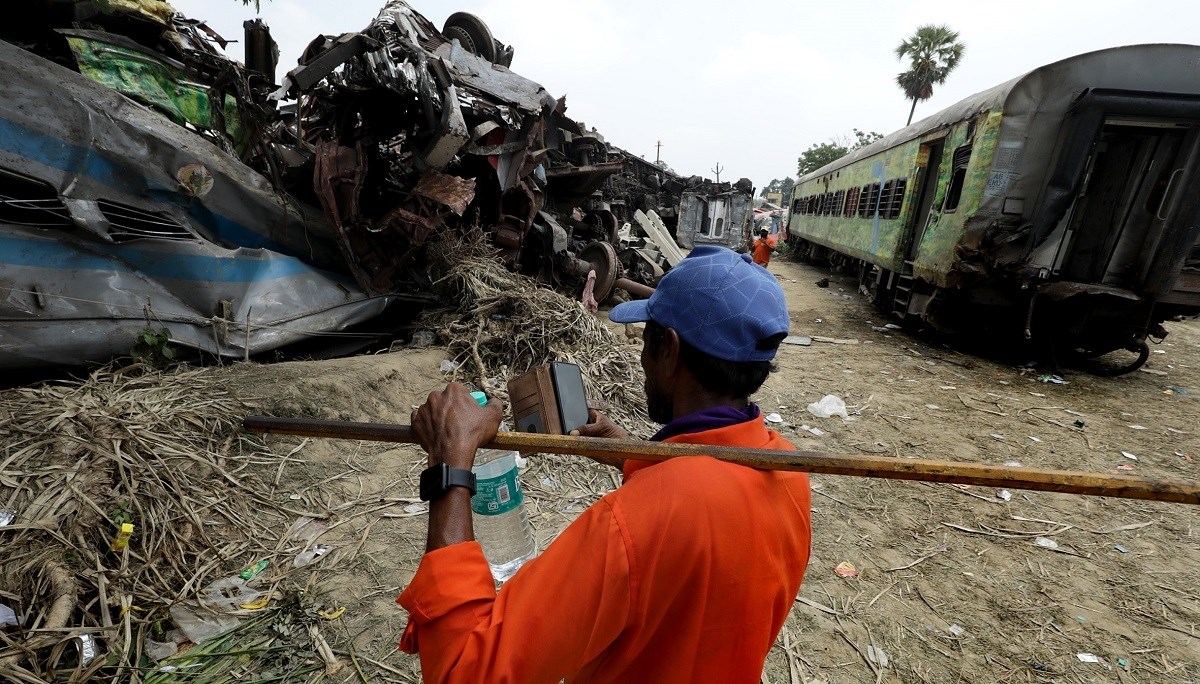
pixel 161 451
pixel 506 323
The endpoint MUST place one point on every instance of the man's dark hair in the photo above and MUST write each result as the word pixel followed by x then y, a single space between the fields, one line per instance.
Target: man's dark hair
pixel 732 378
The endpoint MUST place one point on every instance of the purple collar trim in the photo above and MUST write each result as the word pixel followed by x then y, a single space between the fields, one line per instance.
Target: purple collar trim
pixel 707 419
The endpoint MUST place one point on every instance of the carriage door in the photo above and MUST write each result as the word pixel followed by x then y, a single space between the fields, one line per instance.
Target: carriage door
pixel 931 155
pixel 1123 209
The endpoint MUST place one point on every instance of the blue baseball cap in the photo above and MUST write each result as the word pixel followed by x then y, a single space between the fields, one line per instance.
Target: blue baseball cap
pixel 719 302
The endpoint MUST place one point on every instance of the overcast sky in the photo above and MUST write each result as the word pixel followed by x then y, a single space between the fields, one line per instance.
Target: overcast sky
pixel 748 84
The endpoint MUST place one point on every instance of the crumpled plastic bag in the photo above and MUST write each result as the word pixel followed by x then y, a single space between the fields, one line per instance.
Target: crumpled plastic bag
pixel 828 407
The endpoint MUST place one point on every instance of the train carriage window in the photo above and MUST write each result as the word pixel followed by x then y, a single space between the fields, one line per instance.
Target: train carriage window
pixel 893 198
pixel 798 205
pixel 839 202
pixel 868 200
pixel 958 176
pixel 851 203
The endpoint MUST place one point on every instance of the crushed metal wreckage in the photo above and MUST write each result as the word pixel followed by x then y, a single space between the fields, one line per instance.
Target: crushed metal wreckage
pixel 145 178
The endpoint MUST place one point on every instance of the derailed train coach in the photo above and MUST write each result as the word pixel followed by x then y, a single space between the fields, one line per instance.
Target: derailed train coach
pixel 1062 207
pixel 147 178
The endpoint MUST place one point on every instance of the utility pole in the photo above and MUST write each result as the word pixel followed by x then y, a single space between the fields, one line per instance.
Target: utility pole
pixel 658 152
pixel 717 170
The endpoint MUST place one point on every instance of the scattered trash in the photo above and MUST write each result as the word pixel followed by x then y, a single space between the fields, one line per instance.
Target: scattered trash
pixel 1046 543
pixel 7 515
pixel 774 418
pixel 1004 382
pixel 423 338
pixel 1176 431
pixel 876 655
pixel 1052 379
pixel 307 557
pixel 933 407
pixel 823 282
pixel 87 648
pixel 1040 667
pixel 1151 371
pixel 257 604
pixel 253 571
pixel 1129 456
pixel 415 508
pixel 8 618
pixel 1035 440
pixel 158 650
pixel 956 630
pixel 1122 662
pixel 121 541
pixel 1013 464
pixel 834 340
pixel 1137 427
pixel 998 437
pixel 1090 658
pixel 829 406
pixel 1186 457
pixel 1172 389
pixel 1079 423
pixel 1037 394
pixel 1004 494
pixel 818 320
pixel 846 569
pixel 1121 548
pixel 948 387
pixel 815 432
pixel 1124 466
pixel 330 614
pixel 798 340
pixel 891 326
pixel 306 530
pixel 448 366
pixel 1159 351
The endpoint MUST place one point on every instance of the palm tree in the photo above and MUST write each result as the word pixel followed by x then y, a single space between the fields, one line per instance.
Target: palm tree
pixel 933 52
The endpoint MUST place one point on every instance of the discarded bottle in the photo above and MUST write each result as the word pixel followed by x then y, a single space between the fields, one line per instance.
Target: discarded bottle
pixel 498 510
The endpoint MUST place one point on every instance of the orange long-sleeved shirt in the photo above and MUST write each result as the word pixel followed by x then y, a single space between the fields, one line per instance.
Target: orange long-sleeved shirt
pixel 683 574
pixel 762 251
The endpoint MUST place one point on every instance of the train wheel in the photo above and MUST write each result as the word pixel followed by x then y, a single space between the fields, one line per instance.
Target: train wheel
pixel 472 34
pixel 603 258
pixel 1116 362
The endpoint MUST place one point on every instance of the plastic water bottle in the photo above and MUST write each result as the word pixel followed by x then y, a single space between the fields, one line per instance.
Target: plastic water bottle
pixel 498 509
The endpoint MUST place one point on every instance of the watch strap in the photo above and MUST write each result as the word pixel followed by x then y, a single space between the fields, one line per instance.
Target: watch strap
pixel 438 478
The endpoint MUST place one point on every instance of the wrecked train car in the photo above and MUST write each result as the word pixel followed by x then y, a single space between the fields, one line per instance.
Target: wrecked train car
pixel 1063 205
pixel 717 214
pixel 145 178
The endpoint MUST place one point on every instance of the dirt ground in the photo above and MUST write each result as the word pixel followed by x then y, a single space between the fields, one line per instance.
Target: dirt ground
pixel 951 584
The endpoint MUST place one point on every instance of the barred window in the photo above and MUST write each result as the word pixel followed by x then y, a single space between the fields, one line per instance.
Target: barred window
pixel 851 203
pixel 868 199
pixel 892 200
pixel 839 203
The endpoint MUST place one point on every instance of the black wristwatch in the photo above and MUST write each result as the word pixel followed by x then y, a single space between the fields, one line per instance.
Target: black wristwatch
pixel 437 479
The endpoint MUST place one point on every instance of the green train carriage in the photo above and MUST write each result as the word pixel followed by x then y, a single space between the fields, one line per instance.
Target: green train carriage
pixel 1062 206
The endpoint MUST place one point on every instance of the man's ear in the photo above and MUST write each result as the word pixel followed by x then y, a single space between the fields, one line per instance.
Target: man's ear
pixel 669 350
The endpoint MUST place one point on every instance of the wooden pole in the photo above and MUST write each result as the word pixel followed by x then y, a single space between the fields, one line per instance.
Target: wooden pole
pixel 1067 481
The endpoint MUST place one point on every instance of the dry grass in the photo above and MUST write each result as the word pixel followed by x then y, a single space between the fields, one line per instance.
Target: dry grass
pixel 506 323
pixel 161 451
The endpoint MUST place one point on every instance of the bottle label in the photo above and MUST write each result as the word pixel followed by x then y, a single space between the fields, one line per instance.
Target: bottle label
pixel 496 495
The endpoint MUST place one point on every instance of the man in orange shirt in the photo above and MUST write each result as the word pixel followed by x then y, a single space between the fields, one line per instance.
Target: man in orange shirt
pixel 686 572
pixel 763 249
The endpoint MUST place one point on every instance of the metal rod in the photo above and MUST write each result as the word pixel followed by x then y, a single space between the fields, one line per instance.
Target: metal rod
pixel 633 287
pixel 1066 481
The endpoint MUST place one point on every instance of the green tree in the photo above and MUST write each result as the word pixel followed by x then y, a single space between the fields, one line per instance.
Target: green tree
pixel 933 52
pixel 821 154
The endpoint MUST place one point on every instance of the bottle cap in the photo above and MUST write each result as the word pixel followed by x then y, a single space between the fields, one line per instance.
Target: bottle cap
pixel 480 398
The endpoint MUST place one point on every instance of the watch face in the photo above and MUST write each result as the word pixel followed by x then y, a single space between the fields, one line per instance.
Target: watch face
pixel 433 481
